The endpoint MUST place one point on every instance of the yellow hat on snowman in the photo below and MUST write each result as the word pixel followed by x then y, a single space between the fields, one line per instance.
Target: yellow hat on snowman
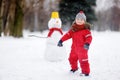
pixel 55 15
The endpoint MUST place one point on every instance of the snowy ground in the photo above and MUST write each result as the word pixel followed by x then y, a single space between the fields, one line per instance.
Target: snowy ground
pixel 23 59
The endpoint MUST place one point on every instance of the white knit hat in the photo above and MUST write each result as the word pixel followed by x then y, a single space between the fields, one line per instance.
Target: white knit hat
pixel 81 15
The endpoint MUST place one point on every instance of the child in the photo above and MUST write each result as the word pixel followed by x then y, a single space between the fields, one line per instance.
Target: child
pixel 81 39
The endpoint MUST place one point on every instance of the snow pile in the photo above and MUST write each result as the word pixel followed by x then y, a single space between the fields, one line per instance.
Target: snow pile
pixel 23 59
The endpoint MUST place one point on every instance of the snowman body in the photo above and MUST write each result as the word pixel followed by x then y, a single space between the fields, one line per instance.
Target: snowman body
pixel 53 52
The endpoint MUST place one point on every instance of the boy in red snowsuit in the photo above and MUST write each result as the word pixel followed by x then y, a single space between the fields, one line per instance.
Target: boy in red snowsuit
pixel 81 39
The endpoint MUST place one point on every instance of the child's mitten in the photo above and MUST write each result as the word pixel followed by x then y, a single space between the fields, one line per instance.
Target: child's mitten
pixel 86 46
pixel 60 43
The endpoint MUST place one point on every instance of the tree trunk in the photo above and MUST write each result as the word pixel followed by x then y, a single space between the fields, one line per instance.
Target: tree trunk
pixel 12 17
pixel 5 16
pixel 16 18
pixel 18 23
pixel 0 17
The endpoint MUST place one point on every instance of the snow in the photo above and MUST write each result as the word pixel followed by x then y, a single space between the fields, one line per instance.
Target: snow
pixel 23 59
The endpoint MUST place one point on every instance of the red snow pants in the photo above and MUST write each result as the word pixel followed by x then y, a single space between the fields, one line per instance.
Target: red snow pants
pixel 81 56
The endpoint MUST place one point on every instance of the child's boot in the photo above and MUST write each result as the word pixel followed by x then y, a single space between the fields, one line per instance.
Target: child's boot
pixel 73 70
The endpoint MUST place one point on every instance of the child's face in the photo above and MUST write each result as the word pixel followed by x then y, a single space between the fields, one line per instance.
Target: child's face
pixel 79 21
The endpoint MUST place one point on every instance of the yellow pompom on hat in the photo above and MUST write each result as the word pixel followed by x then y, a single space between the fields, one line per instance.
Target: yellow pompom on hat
pixel 55 15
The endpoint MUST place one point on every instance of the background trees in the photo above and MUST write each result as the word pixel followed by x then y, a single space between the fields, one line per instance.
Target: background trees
pixel 11 21
pixel 69 8
pixel 33 15
pixel 37 13
pixel 108 15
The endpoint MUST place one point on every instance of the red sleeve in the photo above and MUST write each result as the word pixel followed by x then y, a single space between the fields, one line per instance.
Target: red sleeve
pixel 67 36
pixel 88 37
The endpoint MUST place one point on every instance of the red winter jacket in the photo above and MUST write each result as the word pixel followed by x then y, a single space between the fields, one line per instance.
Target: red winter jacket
pixel 79 37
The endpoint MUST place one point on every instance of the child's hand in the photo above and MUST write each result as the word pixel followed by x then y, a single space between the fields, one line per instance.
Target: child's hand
pixel 86 46
pixel 60 43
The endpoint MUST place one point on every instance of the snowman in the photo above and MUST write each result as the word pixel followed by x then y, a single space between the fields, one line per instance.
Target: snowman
pixel 53 52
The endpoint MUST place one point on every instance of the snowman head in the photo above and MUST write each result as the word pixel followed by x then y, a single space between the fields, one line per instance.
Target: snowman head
pixel 55 21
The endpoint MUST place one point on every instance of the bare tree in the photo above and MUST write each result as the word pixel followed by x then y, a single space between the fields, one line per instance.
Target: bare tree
pixel 6 6
pixel 109 19
pixel 29 15
pixel 18 21
pixel 12 17
pixel 115 16
pixel 37 13
pixel 43 16
pixel 0 17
